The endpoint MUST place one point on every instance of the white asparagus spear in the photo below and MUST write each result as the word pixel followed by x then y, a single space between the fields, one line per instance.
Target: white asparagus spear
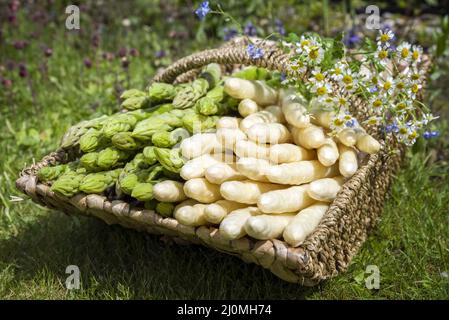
pixel 190 213
pixel 293 107
pixel 221 172
pixel 255 90
pixel 217 211
pixel 289 152
pixel 325 189
pixel 286 200
pixel 322 118
pixel 250 149
pixel 270 114
pixel 233 225
pixel 169 191
pixel 366 143
pixel 246 191
pixel 228 137
pixel 228 122
pixel 272 133
pixel 247 107
pixel 196 167
pixel 199 144
pixel 296 173
pixel 347 136
pixel 328 153
pixel 347 163
pixel 304 223
pixel 202 190
pixel 253 168
pixel 266 227
pixel 310 137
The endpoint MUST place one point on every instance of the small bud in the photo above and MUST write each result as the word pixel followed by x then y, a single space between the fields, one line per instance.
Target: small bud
pixel 48 52
pixel 88 63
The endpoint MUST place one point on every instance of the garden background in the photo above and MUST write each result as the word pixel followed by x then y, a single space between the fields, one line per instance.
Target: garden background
pixel 52 78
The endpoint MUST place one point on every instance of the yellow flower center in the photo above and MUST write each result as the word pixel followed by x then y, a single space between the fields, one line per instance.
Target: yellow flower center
pixel 374 80
pixel 403 130
pixel 382 54
pixel 372 121
pixel 319 77
pixel 415 76
pixel 404 53
pixel 415 88
pixel 400 85
pixel 347 117
pixel 413 135
pixel 415 55
pixel 400 106
pixel 337 71
pixel 338 122
pixel 304 43
pixel 347 79
pixel 321 91
pixel 313 54
pixel 377 103
pixel 387 85
pixel 384 37
pixel 342 101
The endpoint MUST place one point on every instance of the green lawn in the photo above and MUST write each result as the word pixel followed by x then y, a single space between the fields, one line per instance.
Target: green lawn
pixel 410 245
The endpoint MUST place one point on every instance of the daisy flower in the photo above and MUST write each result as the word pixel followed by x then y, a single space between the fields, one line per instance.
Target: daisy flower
pixel 322 90
pixel 381 55
pixel 373 121
pixel 377 102
pixel 387 85
pixel 403 106
pixel 414 90
pixel 384 38
pixel 416 54
pixel 317 76
pixel 337 72
pixel 314 54
pixel 404 51
pixel 349 80
pixel 426 118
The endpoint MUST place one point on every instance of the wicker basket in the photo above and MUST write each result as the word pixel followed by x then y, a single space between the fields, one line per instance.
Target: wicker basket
pixel 325 253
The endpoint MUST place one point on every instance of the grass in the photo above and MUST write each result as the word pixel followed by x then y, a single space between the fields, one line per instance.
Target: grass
pixel 410 244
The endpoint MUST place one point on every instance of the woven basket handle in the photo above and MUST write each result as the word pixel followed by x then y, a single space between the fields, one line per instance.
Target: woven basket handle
pixel 233 52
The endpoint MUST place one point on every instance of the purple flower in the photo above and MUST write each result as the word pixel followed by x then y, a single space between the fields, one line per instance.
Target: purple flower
pixel 20 44
pixel 283 76
pixel 372 89
pixel 12 18
pixel 229 33
pixel 202 10
pixel 160 54
pixel 14 5
pixel 351 39
pixel 250 30
pixel 350 123
pixel 133 52
pixel 392 128
pixel 7 83
pixel 23 71
pixel 254 52
pixel 87 63
pixel 122 52
pixel 430 134
pixel 279 26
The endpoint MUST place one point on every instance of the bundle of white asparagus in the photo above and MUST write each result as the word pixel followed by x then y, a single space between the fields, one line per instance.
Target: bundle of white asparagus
pixel 270 174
